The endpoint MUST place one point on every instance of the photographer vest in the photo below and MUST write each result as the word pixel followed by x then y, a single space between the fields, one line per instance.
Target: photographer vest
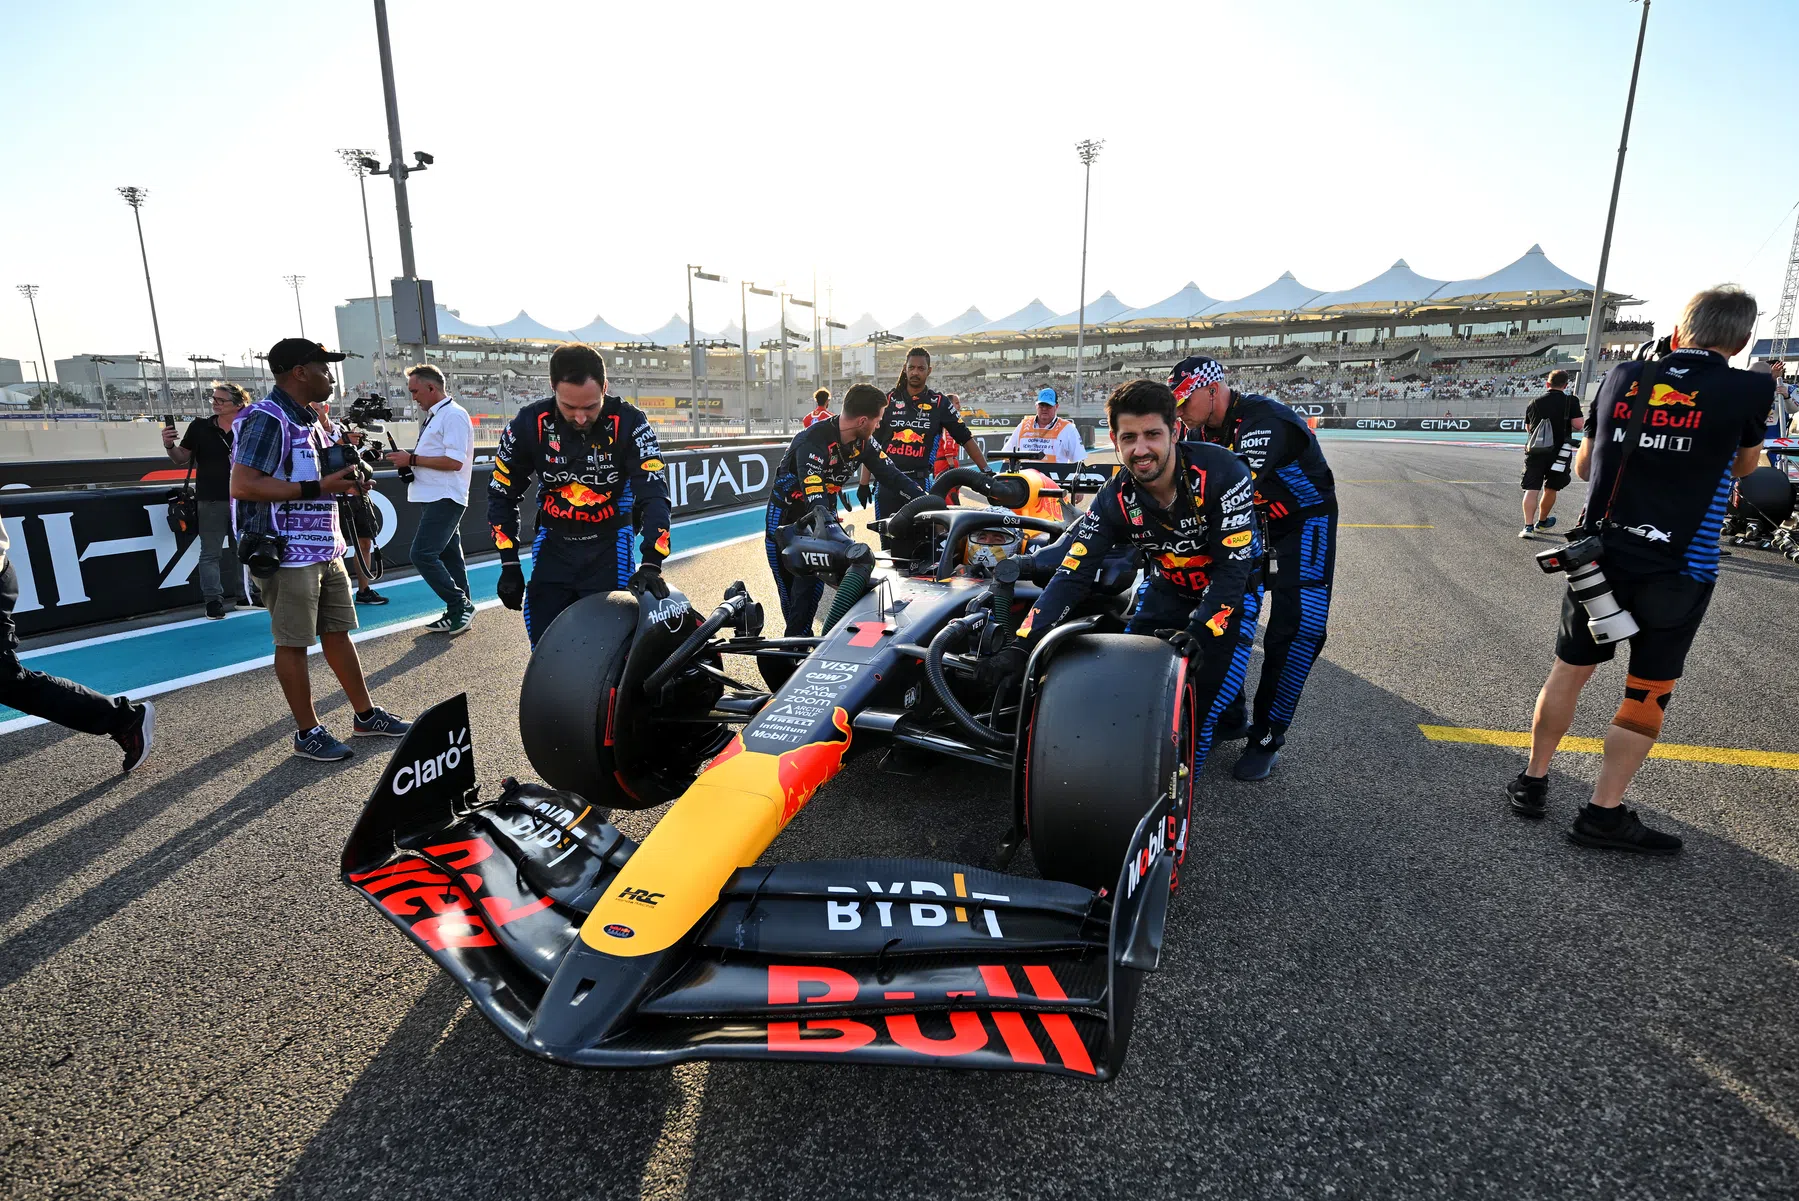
pixel 309 526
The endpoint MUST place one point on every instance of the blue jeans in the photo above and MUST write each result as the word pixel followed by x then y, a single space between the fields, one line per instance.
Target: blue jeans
pixel 437 551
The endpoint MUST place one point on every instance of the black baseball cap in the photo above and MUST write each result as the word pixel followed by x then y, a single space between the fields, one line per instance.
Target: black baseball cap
pixel 289 353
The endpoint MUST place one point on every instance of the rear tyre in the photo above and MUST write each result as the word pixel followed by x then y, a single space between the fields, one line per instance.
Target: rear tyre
pixel 567 707
pixel 1110 731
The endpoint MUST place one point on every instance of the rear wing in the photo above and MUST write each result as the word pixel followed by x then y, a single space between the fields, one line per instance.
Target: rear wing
pixel 895 961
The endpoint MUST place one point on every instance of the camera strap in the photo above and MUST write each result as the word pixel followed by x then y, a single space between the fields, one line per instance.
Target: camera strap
pixel 1633 433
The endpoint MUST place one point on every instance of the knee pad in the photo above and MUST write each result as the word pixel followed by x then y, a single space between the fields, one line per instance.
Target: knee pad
pixel 1645 704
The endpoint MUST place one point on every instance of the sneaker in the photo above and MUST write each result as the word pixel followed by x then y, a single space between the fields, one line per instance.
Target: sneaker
pixel 318 744
pixel 443 624
pixel 1529 795
pixel 135 739
pixel 368 596
pixel 215 609
pixel 1625 832
pixel 379 724
pixel 256 598
pixel 1257 760
pixel 1544 523
pixel 1523 533
pixel 465 617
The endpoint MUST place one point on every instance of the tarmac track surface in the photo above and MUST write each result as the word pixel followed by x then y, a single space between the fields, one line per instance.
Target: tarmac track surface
pixel 1377 982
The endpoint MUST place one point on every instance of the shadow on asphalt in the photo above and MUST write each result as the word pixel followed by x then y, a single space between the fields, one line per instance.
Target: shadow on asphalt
pixel 1377 982
pixel 73 851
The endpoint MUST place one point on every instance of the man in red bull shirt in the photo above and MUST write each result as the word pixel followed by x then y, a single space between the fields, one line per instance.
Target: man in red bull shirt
pixel 1658 515
pixel 1189 507
pixel 915 418
pixel 597 462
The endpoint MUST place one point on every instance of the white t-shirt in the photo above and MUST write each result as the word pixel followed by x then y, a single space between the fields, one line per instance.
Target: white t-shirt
pixel 447 431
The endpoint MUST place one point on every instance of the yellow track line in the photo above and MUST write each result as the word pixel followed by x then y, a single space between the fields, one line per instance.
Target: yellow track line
pixel 1733 756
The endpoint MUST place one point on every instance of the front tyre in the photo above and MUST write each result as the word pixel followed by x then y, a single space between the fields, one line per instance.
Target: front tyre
pixel 567 706
pixel 1111 728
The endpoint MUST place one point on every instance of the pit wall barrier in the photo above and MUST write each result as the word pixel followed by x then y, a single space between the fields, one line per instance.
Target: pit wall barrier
pixel 1467 425
pixel 89 555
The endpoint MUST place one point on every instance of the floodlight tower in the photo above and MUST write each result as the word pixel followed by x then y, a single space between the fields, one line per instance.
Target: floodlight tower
pixel 1088 150
pixel 29 292
pixel 1789 296
pixel 294 282
pixel 361 163
pixel 135 197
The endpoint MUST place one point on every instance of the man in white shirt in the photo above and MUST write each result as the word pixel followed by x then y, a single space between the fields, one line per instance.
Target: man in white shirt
pixel 1046 436
pixel 441 467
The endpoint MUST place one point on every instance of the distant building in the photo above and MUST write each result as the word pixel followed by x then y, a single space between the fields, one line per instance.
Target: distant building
pixel 11 372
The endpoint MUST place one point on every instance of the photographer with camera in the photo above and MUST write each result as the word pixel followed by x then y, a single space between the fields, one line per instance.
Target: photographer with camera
pixel 288 534
pixel 437 472
pixel 1665 439
pixel 206 450
pixel 1551 419
pixel 356 514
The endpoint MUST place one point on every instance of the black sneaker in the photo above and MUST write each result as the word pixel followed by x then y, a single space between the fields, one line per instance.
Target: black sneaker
pixel 135 739
pixel 368 596
pixel 215 609
pixel 1625 832
pixel 1259 757
pixel 319 744
pixel 379 724
pixel 1529 795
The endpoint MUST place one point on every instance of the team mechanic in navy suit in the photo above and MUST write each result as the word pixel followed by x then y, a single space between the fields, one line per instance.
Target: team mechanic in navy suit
pixel 1297 498
pixel 818 463
pixel 597 459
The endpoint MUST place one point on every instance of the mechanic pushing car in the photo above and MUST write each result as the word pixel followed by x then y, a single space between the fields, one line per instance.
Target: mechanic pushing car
pixel 1189 506
pixel 819 462
pixel 916 417
pixel 597 460
pixel 1297 500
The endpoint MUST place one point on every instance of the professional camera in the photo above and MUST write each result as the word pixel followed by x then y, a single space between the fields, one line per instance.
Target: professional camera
pixel 367 410
pixel 365 415
pixel 261 552
pixel 1608 620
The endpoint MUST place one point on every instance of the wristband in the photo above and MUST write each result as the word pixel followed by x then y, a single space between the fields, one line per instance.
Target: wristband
pixel 309 489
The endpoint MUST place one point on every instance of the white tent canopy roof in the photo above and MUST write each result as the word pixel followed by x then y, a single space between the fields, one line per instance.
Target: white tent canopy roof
pixel 1032 314
pixel 602 330
pixel 1284 295
pixel 1188 302
pixel 1531 272
pixel 1101 310
pixel 965 322
pixel 1398 284
pixel 913 326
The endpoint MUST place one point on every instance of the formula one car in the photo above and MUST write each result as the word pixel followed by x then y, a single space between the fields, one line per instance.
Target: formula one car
pixel 587 948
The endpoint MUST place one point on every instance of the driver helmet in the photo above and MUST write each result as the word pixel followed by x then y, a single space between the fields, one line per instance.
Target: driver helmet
pixel 985 548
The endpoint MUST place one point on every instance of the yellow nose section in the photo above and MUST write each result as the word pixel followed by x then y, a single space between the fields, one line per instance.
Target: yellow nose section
pixel 724 821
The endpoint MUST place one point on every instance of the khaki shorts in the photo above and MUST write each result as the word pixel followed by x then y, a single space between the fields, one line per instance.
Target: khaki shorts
pixel 304 602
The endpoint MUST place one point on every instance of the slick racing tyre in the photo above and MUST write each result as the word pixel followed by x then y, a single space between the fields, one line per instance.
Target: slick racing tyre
pixel 567 707
pixel 1110 731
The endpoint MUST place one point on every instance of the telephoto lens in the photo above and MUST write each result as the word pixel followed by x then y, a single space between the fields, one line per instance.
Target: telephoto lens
pixel 1608 621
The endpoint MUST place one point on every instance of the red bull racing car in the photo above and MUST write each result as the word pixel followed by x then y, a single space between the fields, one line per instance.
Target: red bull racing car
pixel 587 948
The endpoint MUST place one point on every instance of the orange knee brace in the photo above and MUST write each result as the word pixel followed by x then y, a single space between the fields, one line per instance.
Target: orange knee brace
pixel 1645 704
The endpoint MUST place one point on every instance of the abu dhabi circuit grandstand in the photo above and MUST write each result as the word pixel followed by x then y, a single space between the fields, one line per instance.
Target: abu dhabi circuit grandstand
pixel 1398 336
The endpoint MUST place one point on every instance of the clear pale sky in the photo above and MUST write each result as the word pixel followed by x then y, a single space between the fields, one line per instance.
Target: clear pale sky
pixel 916 159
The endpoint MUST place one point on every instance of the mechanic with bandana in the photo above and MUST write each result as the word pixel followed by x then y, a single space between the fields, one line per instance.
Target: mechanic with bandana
pixel 916 418
pixel 1189 506
pixel 818 463
pixel 597 460
pixel 1297 500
